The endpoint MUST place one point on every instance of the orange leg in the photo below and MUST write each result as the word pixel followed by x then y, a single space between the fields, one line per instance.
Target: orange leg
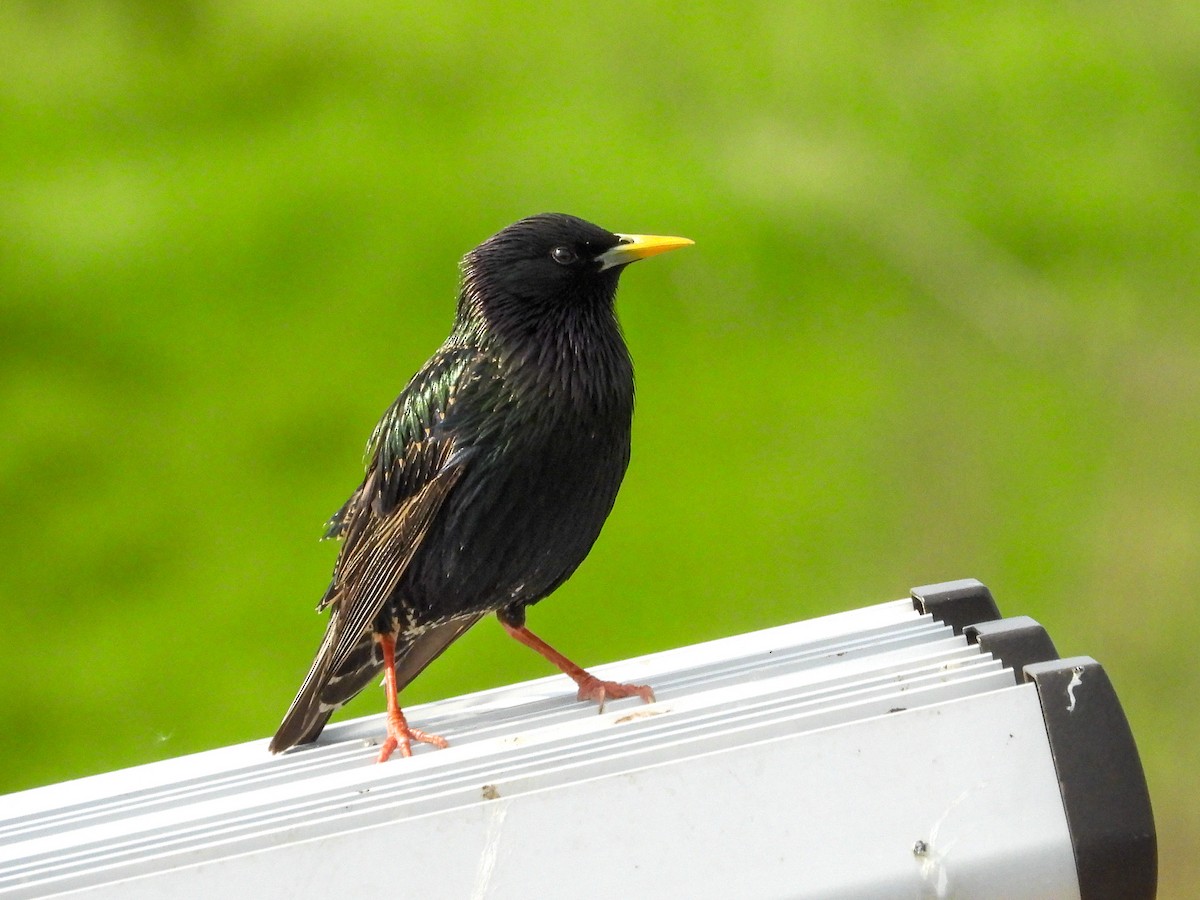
pixel 398 732
pixel 590 687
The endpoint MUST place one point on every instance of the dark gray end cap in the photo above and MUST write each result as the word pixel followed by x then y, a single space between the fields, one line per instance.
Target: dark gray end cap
pixel 1016 642
pixel 1103 787
pixel 956 603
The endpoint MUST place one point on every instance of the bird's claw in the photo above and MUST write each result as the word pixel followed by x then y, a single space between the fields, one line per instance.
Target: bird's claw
pixel 400 737
pixel 600 692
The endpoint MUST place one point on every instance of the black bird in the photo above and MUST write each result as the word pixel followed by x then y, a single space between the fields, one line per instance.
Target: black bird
pixel 489 478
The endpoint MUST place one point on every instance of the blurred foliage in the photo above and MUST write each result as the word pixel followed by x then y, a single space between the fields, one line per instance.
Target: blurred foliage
pixel 941 321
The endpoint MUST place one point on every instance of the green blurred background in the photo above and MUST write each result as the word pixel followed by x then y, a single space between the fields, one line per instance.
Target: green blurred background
pixel 940 322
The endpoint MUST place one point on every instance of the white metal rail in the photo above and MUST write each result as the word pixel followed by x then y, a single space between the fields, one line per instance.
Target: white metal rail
pixel 872 753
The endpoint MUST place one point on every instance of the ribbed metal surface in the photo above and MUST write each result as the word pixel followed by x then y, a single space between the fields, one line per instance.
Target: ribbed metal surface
pixel 734 692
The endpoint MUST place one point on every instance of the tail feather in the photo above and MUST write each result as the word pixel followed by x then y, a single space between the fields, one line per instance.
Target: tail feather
pixel 324 692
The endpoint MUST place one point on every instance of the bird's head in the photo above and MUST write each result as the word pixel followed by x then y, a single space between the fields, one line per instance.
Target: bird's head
pixel 548 265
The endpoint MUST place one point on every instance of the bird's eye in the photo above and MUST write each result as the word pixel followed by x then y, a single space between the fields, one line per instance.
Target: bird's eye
pixel 564 256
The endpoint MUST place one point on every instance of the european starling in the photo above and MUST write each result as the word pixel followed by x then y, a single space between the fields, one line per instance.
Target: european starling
pixel 489 478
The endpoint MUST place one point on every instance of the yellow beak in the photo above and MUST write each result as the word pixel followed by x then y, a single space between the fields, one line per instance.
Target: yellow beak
pixel 639 246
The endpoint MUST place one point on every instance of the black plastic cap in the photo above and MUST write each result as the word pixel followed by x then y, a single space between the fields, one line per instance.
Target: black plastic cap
pixel 1016 642
pixel 1103 787
pixel 956 603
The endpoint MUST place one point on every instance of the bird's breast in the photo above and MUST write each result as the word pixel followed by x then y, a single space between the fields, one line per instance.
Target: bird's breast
pixel 524 514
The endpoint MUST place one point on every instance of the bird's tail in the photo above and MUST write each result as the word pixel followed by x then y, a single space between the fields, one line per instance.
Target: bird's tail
pixel 327 689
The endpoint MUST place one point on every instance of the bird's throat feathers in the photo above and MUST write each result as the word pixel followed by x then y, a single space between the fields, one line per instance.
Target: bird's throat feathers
pixel 566 349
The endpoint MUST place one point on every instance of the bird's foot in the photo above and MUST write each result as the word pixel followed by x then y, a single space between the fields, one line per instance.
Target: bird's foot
pixel 592 688
pixel 400 737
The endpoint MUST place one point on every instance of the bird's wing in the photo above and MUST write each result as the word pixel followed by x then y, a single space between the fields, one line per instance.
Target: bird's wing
pixel 414 462
pixel 371 565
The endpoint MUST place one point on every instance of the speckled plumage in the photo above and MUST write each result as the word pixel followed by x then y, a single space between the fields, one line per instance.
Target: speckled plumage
pixel 490 477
